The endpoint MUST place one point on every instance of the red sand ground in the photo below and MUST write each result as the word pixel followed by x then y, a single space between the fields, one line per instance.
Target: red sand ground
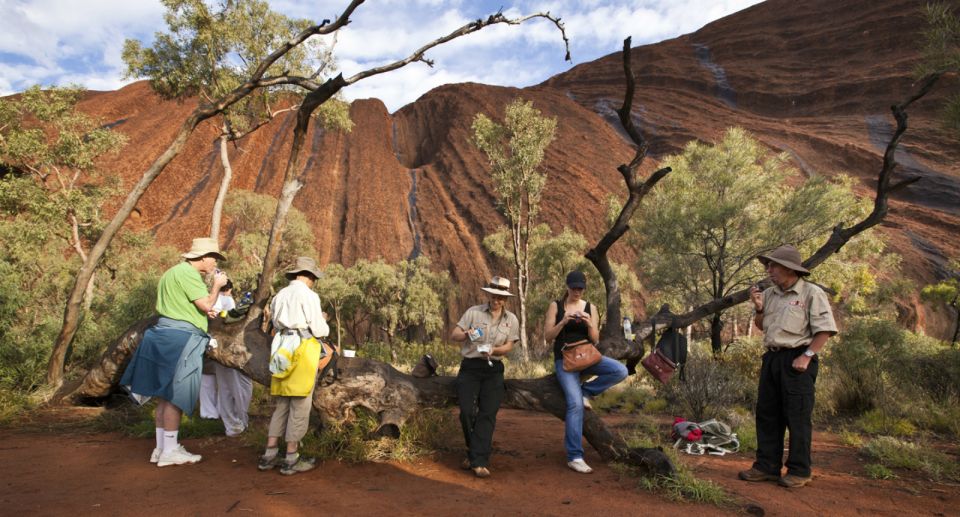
pixel 58 473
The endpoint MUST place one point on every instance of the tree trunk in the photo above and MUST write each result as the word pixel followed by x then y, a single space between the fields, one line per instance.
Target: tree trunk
pixel 224 186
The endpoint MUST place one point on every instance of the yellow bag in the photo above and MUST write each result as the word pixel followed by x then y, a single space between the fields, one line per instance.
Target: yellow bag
pixel 299 379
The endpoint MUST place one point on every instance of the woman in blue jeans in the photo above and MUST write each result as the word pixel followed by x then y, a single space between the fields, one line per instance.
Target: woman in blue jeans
pixel 567 321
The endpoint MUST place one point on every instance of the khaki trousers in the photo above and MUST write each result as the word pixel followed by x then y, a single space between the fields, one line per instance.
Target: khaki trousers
pixel 291 417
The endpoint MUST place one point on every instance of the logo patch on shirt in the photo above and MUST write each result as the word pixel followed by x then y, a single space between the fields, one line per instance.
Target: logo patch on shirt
pixel 798 303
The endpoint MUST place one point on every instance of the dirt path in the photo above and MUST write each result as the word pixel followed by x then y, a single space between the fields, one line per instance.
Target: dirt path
pixel 57 473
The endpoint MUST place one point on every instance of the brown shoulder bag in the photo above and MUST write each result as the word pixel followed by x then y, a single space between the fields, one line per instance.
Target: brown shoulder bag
pixel 579 355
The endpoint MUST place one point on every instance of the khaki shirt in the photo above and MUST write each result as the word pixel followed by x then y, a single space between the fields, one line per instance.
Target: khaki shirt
pixel 495 333
pixel 791 318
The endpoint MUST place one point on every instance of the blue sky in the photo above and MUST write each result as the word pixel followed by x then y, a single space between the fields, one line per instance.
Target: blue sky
pixel 79 41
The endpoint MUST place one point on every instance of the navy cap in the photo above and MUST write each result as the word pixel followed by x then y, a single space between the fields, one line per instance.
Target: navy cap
pixel 576 280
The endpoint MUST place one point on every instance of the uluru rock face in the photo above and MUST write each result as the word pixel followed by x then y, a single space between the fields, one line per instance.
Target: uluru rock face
pixel 814 79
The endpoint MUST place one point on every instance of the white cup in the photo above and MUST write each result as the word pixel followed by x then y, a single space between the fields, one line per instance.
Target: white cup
pixel 349 353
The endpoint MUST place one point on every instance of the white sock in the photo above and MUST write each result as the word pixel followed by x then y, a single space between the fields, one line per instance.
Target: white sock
pixel 160 438
pixel 170 440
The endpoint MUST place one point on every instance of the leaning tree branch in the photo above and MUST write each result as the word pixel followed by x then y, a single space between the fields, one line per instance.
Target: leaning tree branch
pixel 840 235
pixel 612 341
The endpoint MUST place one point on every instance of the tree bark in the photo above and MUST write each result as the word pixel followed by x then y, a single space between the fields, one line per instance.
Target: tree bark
pixel 224 185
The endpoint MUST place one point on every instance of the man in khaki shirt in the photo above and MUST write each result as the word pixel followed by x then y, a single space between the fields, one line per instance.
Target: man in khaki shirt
pixel 796 321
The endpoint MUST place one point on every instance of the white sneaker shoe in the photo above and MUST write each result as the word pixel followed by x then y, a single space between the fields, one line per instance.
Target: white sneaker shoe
pixel 155 455
pixel 580 466
pixel 178 456
pixel 586 404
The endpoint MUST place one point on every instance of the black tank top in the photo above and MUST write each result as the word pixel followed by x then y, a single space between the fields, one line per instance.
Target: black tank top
pixel 573 331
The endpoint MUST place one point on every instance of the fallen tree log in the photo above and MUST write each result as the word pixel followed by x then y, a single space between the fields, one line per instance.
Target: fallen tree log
pixel 378 387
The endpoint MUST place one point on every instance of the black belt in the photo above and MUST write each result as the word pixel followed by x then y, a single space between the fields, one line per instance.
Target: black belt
pixel 303 333
pixel 783 348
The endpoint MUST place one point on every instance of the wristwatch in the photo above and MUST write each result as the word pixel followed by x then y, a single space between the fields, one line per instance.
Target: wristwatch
pixel 809 353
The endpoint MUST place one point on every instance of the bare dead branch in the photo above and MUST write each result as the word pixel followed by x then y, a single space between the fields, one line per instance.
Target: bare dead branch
pixel 462 31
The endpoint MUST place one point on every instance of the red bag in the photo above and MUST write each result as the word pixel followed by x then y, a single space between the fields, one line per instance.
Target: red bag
pixel 659 365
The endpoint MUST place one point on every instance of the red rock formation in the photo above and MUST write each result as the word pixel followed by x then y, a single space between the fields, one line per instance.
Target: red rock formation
pixel 814 79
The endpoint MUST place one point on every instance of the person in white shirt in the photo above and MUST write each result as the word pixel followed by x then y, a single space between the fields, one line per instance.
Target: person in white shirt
pixel 294 358
pixel 209 390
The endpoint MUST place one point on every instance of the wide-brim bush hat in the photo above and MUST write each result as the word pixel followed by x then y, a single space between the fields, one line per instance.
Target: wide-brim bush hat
pixel 304 265
pixel 499 286
pixel 787 256
pixel 204 246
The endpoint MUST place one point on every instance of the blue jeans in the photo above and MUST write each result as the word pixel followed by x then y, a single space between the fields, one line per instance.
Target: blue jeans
pixel 609 372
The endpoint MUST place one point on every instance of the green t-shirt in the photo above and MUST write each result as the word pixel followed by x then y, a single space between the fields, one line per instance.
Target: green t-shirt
pixel 176 291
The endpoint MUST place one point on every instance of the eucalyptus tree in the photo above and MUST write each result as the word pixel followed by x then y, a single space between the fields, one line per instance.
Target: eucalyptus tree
pixel 700 232
pixel 44 139
pixel 515 151
pixel 207 53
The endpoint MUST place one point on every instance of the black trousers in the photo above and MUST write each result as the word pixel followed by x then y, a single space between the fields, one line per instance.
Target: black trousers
pixel 785 401
pixel 480 390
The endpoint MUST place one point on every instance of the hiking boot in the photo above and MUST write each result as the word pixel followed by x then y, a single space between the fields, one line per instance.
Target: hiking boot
pixel 586 404
pixel 756 475
pixel 481 472
pixel 791 481
pixel 301 465
pixel 465 464
pixel 267 463
pixel 580 466
pixel 178 456
pixel 155 455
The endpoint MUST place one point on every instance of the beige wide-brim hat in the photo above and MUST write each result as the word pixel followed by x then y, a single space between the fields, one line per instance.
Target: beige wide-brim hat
pixel 787 256
pixel 204 246
pixel 499 286
pixel 304 265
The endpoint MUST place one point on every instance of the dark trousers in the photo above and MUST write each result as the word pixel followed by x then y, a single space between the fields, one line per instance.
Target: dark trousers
pixel 785 401
pixel 480 390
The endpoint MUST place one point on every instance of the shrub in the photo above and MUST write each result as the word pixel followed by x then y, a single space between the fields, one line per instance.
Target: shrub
pixel 878 471
pixel 859 364
pixel 894 453
pixel 879 422
pixel 711 387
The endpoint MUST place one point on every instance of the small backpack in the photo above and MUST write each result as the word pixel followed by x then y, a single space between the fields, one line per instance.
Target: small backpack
pixel 707 437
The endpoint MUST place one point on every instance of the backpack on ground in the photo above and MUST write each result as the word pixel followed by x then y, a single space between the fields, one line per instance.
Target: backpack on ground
pixel 707 437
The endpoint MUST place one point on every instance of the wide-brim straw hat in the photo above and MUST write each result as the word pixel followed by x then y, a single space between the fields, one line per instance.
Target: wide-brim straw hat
pixel 304 265
pixel 787 256
pixel 499 286
pixel 204 246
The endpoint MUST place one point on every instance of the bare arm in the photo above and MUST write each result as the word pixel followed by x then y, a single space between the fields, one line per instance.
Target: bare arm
pixel 757 298
pixel 551 329
pixel 819 341
pixel 458 334
pixel 593 327
pixel 503 349
pixel 205 305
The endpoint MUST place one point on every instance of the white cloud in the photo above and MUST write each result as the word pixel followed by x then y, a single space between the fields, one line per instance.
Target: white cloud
pixel 59 41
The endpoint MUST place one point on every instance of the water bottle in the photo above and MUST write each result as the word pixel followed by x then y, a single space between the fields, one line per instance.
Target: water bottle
pixel 627 329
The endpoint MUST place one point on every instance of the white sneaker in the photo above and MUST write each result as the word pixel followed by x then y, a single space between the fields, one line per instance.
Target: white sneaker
pixel 587 404
pixel 580 466
pixel 178 456
pixel 155 455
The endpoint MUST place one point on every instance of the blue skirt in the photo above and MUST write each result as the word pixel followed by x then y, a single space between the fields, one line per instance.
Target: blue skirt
pixel 168 364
